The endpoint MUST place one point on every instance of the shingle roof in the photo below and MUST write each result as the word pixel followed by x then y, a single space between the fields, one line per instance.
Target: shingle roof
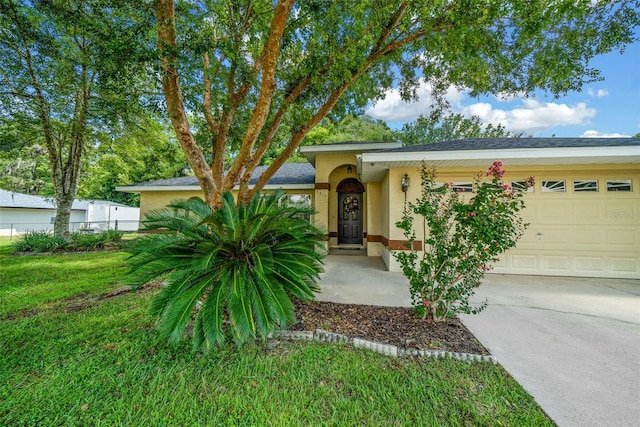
pixel 351 143
pixel 11 199
pixel 513 143
pixel 289 173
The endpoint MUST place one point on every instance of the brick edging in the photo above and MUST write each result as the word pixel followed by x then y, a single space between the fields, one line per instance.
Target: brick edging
pixel 386 349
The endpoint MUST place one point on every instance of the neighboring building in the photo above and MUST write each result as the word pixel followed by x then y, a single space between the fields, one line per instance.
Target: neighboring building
pixel 23 212
pixel 584 211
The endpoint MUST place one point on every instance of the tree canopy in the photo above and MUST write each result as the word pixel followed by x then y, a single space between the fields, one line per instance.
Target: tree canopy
pixel 435 128
pixel 144 151
pixel 66 68
pixel 262 72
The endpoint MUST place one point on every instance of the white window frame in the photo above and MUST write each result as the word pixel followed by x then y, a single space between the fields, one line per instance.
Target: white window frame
pixel 553 186
pixel 521 186
pixel 617 185
pixel 582 186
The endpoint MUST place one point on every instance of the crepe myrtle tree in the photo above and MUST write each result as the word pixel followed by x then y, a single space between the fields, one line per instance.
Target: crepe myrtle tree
pixel 461 240
pixel 264 73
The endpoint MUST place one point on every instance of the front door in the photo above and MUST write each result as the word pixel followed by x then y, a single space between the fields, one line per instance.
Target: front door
pixel 350 219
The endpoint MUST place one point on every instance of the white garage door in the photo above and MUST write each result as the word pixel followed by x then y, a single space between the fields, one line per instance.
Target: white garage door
pixel 579 227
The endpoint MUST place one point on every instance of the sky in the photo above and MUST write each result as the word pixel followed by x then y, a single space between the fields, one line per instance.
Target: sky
pixel 607 108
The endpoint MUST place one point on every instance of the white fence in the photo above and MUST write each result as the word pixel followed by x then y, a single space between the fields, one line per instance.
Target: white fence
pixel 16 229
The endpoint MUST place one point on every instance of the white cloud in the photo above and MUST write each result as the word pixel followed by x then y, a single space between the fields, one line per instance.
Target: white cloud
pixel 600 93
pixel 393 109
pixel 596 134
pixel 533 115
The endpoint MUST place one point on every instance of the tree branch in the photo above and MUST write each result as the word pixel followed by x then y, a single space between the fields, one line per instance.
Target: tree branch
pixel 260 112
pixel 167 44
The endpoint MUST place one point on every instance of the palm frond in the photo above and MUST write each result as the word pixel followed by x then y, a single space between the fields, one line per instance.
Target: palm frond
pixel 243 262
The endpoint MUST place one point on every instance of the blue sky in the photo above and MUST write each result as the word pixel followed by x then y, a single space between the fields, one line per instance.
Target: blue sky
pixel 606 108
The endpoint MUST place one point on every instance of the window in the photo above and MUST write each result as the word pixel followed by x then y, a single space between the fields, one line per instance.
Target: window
pixel 585 185
pixel 521 186
pixel 462 187
pixel 619 185
pixel 553 187
pixel 299 200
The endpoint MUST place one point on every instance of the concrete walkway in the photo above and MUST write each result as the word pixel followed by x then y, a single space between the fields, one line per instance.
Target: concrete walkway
pixel 573 343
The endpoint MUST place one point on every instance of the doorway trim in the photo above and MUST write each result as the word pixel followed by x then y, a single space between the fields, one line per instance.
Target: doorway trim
pixel 350 212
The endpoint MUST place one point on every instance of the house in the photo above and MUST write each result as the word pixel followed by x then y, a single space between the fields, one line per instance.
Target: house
pixel 584 210
pixel 23 212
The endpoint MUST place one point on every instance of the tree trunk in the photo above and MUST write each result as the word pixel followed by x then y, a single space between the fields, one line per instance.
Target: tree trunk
pixel 63 214
pixel 168 46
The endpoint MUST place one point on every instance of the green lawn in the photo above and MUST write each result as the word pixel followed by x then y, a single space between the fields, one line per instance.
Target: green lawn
pixel 102 364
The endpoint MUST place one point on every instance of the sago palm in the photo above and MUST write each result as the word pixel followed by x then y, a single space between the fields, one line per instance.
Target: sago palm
pixel 238 266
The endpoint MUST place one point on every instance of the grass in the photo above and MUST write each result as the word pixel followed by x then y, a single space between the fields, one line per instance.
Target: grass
pixel 104 365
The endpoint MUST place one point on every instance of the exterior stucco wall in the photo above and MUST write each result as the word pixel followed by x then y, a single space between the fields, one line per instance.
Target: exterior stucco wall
pixel 150 200
pixel 375 213
pixel 158 199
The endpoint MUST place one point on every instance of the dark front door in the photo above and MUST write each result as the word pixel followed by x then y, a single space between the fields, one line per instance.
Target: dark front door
pixel 350 219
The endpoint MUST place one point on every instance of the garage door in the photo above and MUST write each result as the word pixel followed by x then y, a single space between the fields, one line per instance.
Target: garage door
pixel 579 227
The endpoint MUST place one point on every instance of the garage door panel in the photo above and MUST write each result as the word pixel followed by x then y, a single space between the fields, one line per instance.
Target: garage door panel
pixel 529 240
pixel 586 212
pixel 587 238
pixel 554 237
pixel 622 212
pixel 623 264
pixel 524 261
pixel 556 263
pixel 589 264
pixel 551 213
pixel 622 239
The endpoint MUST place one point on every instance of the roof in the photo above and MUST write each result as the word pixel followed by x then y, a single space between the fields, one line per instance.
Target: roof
pixel 511 143
pixel 11 199
pixel 372 166
pixel 375 158
pixel 289 176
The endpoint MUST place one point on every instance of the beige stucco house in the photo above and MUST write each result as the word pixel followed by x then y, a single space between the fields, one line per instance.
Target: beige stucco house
pixel 584 210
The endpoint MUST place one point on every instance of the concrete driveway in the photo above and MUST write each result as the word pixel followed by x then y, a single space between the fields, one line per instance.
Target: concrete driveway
pixel 573 343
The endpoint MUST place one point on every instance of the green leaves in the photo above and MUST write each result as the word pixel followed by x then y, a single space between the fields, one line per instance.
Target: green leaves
pixel 232 271
pixel 461 238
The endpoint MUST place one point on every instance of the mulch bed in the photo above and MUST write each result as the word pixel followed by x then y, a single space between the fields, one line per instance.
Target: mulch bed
pixel 397 326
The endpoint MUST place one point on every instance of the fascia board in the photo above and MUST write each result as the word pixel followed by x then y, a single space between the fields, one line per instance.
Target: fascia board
pixel 337 148
pixel 631 154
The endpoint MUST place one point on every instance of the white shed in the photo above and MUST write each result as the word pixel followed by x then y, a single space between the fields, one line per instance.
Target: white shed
pixel 20 213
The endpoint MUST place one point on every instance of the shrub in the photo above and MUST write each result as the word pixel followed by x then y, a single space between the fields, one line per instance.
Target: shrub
pixel 461 239
pixel 88 241
pixel 113 236
pixel 39 241
pixel 236 266
pixel 44 241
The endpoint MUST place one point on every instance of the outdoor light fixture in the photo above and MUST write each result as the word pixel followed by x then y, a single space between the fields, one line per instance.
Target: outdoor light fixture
pixel 405 182
pixel 349 169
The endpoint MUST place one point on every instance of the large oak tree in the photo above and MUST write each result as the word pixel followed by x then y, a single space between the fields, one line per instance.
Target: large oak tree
pixel 261 71
pixel 66 70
